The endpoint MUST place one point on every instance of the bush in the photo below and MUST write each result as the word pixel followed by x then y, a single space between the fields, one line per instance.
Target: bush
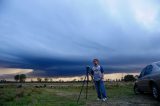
pixel 21 77
pixel 129 78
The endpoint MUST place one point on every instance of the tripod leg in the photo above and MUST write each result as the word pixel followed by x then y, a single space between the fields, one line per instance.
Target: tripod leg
pixel 81 89
pixel 87 86
pixel 92 82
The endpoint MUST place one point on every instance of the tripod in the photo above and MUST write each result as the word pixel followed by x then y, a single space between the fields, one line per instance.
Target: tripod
pixel 85 81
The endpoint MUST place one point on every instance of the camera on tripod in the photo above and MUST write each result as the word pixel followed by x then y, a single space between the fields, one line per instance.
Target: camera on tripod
pixel 88 70
pixel 86 81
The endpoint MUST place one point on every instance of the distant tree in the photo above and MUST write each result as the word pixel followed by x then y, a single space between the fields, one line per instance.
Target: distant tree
pixel 60 80
pixel 32 80
pixel 17 78
pixel 39 79
pixel 22 77
pixel 129 78
pixel 116 80
pixel 3 81
pixel 122 78
pixel 51 80
pixel 46 79
pixel 74 80
pixel 107 80
pixel 81 78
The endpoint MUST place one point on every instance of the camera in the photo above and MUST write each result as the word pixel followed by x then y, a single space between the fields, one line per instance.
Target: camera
pixel 88 68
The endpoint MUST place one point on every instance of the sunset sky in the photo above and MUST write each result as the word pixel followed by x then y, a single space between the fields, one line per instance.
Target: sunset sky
pixel 61 37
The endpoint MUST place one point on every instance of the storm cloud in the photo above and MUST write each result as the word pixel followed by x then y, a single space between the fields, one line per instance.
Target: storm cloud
pixel 62 37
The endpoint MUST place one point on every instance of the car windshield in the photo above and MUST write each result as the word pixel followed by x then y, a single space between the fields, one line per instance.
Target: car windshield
pixel 147 70
pixel 141 74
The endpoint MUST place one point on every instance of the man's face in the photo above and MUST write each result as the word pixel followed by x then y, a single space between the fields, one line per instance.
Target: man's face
pixel 95 62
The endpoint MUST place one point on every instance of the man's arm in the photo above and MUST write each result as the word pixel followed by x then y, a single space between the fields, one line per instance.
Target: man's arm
pixel 102 71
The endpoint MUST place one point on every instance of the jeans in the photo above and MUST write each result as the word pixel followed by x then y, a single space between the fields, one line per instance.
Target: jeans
pixel 100 88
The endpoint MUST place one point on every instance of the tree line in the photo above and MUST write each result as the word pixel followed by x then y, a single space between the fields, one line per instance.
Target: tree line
pixel 23 77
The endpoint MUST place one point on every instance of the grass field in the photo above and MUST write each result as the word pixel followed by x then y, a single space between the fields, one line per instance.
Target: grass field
pixel 66 94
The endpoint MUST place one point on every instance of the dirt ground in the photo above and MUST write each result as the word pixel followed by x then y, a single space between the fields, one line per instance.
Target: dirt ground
pixel 140 100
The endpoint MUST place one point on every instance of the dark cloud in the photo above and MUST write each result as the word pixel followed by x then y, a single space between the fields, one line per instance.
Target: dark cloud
pixel 62 38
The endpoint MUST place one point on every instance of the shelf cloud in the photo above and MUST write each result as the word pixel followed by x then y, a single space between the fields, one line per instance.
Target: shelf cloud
pixel 61 38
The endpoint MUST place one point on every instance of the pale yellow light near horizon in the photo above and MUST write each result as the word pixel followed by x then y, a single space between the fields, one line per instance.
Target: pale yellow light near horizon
pixel 13 71
pixel 111 76
pixel 10 71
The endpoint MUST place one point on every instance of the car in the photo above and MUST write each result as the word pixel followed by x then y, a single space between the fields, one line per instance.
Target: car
pixel 149 80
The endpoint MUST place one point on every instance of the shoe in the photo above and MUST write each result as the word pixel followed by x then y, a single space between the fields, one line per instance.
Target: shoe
pixel 104 99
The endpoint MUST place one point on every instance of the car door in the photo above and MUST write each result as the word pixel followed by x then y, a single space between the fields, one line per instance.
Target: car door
pixel 145 78
pixel 140 80
pixel 156 75
pixel 157 79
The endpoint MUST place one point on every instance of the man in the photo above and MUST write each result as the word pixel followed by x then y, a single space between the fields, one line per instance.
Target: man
pixel 98 76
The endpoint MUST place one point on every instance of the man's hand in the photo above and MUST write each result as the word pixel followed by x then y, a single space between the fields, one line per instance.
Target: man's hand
pixel 91 76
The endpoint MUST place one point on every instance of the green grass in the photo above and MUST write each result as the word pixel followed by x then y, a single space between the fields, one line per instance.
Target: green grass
pixel 119 93
pixel 34 97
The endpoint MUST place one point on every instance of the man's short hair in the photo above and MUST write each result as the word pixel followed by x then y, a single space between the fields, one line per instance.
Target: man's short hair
pixel 96 60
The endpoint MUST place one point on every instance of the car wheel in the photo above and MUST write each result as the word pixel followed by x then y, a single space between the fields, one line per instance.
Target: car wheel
pixel 136 90
pixel 155 92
